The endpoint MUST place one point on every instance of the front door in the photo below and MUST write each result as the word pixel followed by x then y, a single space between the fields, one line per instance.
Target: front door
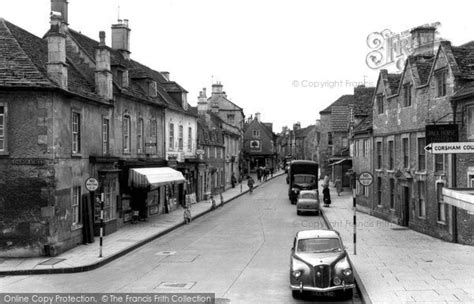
pixel 406 206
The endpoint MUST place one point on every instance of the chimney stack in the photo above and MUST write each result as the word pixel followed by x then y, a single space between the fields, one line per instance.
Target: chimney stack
pixel 121 38
pixel 166 75
pixel 60 6
pixel 217 89
pixel 423 40
pixel 257 116
pixel 202 102
pixel 56 65
pixel 103 74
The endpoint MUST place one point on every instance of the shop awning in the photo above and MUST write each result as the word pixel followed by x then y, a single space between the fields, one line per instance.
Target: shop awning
pixel 340 162
pixel 154 177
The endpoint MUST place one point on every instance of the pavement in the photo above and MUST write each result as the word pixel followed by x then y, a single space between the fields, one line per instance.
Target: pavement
pixel 127 238
pixel 397 265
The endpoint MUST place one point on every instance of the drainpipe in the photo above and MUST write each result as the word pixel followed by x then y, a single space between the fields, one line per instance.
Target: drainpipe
pixel 454 219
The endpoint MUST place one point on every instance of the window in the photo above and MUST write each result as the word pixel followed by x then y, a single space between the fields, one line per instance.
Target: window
pixel 439 162
pixel 379 104
pixel 379 155
pixel 441 204
pixel 406 152
pixel 256 133
pixel 126 132
pixel 421 153
pixel 180 138
pixel 3 128
pixel 366 147
pixel 190 139
pixel 379 191
pixel 470 123
pixel 120 78
pixel 440 78
pixel 76 133
pixel 231 117
pixel 105 136
pixel 208 150
pixel 153 130
pixel 140 136
pixel 110 199
pixel 76 205
pixel 171 138
pixel 392 193
pixel 421 199
pixel 390 154
pixel 407 94
pixel 329 138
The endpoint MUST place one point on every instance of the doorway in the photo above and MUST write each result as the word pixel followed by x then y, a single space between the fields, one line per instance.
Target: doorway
pixel 406 206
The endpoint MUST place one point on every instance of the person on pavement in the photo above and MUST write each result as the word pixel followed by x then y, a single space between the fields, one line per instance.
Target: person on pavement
pixel 338 185
pixel 326 196
pixel 250 183
pixel 233 180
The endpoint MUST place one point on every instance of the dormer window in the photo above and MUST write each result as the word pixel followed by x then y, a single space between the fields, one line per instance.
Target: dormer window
pixel 379 100
pixel 440 78
pixel 407 94
pixel 121 76
pixel 152 88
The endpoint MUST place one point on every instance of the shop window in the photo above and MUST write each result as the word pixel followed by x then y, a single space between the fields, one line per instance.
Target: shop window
pixel 110 200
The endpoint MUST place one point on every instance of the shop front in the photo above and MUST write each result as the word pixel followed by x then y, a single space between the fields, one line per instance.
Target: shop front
pixel 155 191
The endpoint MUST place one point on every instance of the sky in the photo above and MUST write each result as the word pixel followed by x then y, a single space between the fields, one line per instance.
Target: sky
pixel 285 59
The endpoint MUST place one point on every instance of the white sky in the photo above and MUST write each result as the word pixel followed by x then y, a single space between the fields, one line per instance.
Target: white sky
pixel 256 48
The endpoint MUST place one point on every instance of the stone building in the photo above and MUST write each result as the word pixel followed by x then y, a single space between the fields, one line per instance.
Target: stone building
pixel 73 108
pixel 409 182
pixel 232 117
pixel 259 145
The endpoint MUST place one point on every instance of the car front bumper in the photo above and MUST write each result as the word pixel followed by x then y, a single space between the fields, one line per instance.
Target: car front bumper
pixel 307 209
pixel 302 288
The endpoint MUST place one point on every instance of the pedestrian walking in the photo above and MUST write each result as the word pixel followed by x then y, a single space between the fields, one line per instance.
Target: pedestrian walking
pixel 265 174
pixel 338 185
pixel 250 183
pixel 326 196
pixel 259 174
pixel 187 215
pixel 213 202
pixel 233 180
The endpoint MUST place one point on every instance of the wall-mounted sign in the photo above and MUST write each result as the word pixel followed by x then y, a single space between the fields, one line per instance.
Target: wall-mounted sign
pixel 441 133
pixel 366 179
pixel 28 161
pixel 92 184
pixel 450 148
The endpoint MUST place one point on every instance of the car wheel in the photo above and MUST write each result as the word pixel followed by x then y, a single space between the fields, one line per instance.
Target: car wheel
pixel 296 294
pixel 298 212
pixel 345 294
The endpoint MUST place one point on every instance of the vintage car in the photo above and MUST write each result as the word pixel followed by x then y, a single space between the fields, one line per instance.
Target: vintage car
pixel 308 201
pixel 320 265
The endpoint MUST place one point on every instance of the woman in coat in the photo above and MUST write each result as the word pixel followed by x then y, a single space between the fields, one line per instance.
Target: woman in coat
pixel 326 196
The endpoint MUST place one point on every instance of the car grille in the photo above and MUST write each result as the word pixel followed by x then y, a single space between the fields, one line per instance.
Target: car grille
pixel 322 276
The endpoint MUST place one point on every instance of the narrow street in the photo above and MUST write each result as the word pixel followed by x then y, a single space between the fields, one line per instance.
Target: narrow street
pixel 241 252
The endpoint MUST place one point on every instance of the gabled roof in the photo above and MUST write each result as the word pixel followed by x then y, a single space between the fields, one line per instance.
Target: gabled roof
pixel 23 58
pixel 221 99
pixel 365 125
pixel 303 132
pixel 363 100
pixel 344 100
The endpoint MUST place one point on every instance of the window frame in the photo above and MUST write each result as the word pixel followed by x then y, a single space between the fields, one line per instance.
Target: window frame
pixel 421 188
pixel 76 198
pixel 76 143
pixel 391 154
pixel 441 204
pixel 392 193
pixel 441 82
pixel 379 151
pixel 126 134
pixel 407 94
pixel 180 137
pixel 190 138
pixel 171 136
pixel 379 102
pixel 4 128
pixel 140 136
pixel 105 136
pixel 421 154
pixel 406 152
pixel 379 191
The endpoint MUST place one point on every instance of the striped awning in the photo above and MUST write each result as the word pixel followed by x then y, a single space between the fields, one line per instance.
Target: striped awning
pixel 154 177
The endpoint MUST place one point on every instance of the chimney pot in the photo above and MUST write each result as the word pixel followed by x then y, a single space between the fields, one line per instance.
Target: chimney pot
pixel 102 37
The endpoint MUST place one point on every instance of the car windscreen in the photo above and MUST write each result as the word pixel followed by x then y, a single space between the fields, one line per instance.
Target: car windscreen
pixel 319 245
pixel 307 196
pixel 304 179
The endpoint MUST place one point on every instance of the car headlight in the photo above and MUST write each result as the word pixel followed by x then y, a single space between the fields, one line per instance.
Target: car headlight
pixel 343 267
pixel 337 281
pixel 297 273
pixel 347 272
